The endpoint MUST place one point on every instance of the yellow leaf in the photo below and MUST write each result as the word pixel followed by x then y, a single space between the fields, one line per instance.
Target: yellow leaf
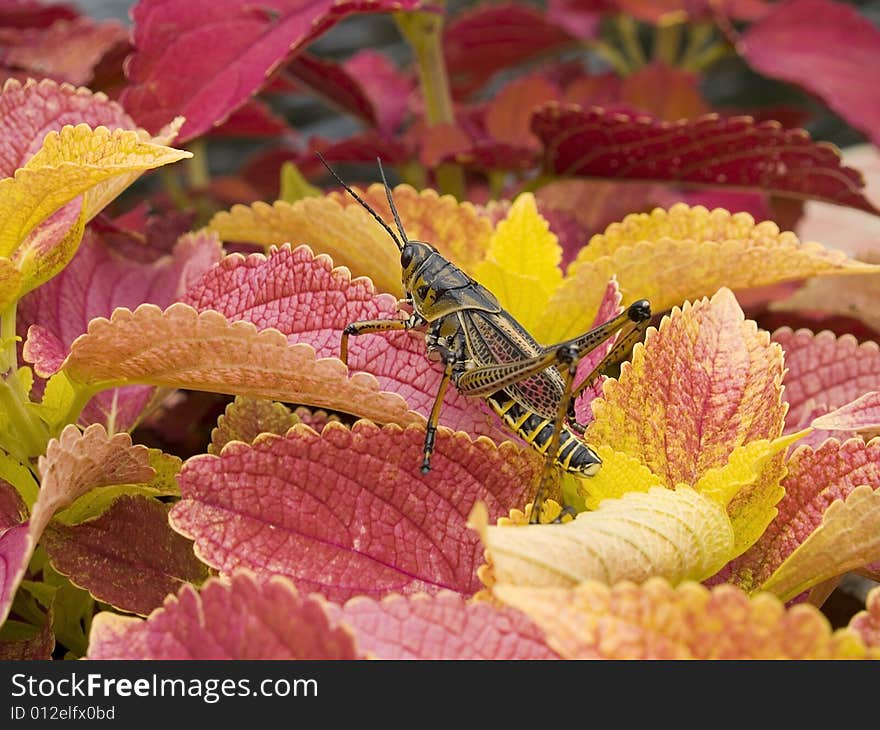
pixel 522 264
pixel 744 465
pixel 658 621
pixel 10 283
pixel 20 477
pixel 684 254
pixel 70 163
pixel 58 400
pixel 681 222
pixel 678 534
pixel 455 229
pixel 349 235
pixel 49 247
pixel 848 538
pixel 749 486
pixel 620 473
pixel 704 383
pixel 294 186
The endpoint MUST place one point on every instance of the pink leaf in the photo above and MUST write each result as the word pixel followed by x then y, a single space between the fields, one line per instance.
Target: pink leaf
pixel 67 50
pixel 387 88
pixel 245 618
pixel 44 350
pixel 709 151
pixel 581 18
pixel 829 48
pixel 98 279
pixel 824 372
pixel 128 557
pixel 815 479
pixel 867 623
pixel 29 111
pixel 304 297
pixel 862 414
pixel 348 512
pixel 444 626
pixel 205 59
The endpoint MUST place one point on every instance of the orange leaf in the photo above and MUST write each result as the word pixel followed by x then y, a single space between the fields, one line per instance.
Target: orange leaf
pixel 657 621
pixel 180 348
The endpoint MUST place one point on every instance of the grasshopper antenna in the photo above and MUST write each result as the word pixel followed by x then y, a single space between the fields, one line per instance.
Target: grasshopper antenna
pixel 366 205
pixel 391 201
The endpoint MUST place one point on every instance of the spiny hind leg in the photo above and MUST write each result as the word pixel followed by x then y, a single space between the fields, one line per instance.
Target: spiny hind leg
pixel 621 351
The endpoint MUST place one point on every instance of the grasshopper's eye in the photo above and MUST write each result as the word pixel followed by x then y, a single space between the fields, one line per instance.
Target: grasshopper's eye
pixel 406 255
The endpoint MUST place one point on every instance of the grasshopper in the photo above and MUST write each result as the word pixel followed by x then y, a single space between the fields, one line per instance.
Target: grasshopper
pixel 486 353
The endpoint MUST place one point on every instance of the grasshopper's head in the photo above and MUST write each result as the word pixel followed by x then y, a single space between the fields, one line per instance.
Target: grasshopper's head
pixel 412 256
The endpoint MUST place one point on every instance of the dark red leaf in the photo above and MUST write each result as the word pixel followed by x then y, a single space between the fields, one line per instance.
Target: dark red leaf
pixel 254 119
pixel 332 81
pixel 479 43
pixel 128 557
pixel 387 88
pixel 33 13
pixel 709 152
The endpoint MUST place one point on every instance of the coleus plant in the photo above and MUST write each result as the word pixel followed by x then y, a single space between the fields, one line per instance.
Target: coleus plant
pixel 739 479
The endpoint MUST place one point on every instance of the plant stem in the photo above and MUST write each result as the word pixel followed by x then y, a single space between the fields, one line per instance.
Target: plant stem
pixel 714 52
pixel 667 42
pixel 197 165
pixel 697 37
pixel 423 32
pixel 174 188
pixel 8 339
pixel 33 438
pixel 611 56
pixel 629 36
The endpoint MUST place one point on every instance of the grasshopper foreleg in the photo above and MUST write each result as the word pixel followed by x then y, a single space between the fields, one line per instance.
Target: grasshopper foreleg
pixel 373 325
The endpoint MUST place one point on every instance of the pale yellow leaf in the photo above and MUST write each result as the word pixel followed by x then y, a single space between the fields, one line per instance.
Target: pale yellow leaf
pixel 678 534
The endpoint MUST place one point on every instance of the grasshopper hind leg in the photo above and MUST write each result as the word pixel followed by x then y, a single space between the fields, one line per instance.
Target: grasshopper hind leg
pixel 638 316
pixel 567 356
